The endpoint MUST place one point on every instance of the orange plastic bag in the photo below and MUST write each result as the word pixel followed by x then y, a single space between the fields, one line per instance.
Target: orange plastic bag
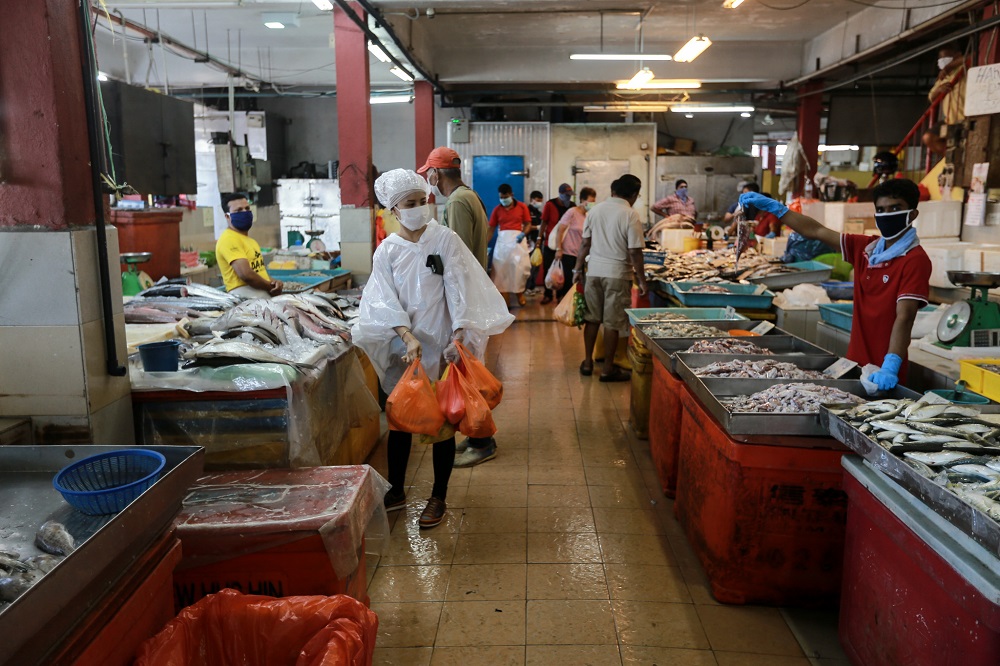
pixel 449 395
pixel 412 406
pixel 479 377
pixel 478 419
pixel 230 629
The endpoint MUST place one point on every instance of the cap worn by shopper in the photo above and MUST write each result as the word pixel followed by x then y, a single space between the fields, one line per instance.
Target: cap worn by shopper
pixel 564 188
pixel 441 158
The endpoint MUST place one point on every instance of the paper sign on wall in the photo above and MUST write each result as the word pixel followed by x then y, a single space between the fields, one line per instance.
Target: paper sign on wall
pixel 975 210
pixel 982 91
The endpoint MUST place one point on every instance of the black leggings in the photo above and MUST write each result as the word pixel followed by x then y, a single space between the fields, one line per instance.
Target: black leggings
pixel 399 454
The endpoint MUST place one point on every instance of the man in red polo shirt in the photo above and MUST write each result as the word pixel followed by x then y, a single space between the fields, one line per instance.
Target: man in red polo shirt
pixel 891 274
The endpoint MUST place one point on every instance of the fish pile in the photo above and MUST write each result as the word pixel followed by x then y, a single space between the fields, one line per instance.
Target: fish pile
pixel 17 575
pixel 290 286
pixel 791 399
pixel 764 271
pixel 765 368
pixel 744 234
pixel 708 289
pixel 900 426
pixel 703 265
pixel 173 301
pixel 991 367
pixel 727 346
pixel 663 316
pixel 683 330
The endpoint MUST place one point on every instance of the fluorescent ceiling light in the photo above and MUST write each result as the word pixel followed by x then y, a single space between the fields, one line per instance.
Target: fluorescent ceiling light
pixel 620 56
pixel 745 114
pixel 101 76
pixel 401 73
pixel 694 48
pixel 839 148
pixel 618 107
pixel 689 115
pixel 377 51
pixel 662 84
pixel 390 99
pixel 642 77
pixel 279 20
pixel 327 6
pixel 711 108
pixel 727 4
pixel 274 25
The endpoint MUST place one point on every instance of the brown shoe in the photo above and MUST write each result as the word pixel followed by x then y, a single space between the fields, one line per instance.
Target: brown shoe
pixel 521 300
pixel 433 513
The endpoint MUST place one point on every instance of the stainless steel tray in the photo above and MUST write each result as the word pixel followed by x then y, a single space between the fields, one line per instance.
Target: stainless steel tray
pixel 969 520
pixel 37 622
pixel 803 361
pixel 804 274
pixel 710 391
pixel 724 325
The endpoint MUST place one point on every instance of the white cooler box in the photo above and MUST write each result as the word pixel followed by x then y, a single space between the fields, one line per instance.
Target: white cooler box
pixel 939 219
pixel 946 257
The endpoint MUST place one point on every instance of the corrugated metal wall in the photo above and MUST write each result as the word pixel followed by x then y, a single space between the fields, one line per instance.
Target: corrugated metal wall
pixel 528 139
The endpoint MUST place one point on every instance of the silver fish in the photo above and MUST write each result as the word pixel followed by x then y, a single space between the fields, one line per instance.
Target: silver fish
pixel 239 352
pixel 14 585
pixel 53 538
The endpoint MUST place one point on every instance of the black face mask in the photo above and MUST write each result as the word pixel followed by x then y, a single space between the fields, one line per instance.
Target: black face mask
pixel 893 224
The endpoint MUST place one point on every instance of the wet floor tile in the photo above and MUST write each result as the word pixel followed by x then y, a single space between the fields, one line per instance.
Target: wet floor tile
pixel 659 625
pixel 637 549
pixel 491 548
pixel 555 456
pixel 627 521
pixel 613 476
pixel 654 656
pixel 748 629
pixel 494 521
pixel 747 659
pixel 698 586
pixel 420 583
pixel 570 623
pixel 487 582
pixel 637 582
pixel 566 581
pixel 577 655
pixel 385 656
pixel 493 655
pixel 499 496
pixel 556 475
pixel 498 475
pixel 405 548
pixel 471 623
pixel 563 548
pixel 614 497
pixel 407 624
pixel 558 496
pixel 559 519
pixel 510 456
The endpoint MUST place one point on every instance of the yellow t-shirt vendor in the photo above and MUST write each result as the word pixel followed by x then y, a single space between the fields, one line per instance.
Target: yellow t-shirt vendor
pixel 239 256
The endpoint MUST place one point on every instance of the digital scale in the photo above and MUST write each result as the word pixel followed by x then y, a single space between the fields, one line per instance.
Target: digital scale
pixel 134 280
pixel 974 322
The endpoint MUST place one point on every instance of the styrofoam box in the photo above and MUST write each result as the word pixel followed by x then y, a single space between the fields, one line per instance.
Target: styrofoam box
pixel 944 258
pixel 838 212
pixel 991 261
pixel 775 247
pixel 975 258
pixel 939 219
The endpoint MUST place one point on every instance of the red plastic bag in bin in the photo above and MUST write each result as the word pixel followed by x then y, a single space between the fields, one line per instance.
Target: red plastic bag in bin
pixel 233 629
pixel 449 395
pixel 479 377
pixel 412 406
pixel 478 419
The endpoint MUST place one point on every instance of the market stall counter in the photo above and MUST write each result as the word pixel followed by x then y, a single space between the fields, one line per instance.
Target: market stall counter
pixel 280 532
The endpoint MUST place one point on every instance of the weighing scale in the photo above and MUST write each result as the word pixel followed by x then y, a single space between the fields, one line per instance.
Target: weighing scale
pixel 134 280
pixel 974 322
pixel 315 244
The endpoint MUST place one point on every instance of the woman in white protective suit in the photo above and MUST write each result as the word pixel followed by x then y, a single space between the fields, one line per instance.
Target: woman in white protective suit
pixel 426 290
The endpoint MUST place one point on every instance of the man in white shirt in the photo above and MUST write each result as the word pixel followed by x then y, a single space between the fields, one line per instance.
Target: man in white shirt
pixel 613 242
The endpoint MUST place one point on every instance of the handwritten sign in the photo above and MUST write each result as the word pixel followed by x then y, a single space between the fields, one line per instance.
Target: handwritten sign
pixel 982 91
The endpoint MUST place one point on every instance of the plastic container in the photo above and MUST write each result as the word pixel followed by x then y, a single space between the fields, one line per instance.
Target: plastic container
pixel 838 315
pixel 739 296
pixel 961 397
pixel 916 590
pixel 976 378
pixel 665 428
pixel 654 257
pixel 766 522
pixel 108 482
pixel 641 361
pixel 160 356
pixel 839 291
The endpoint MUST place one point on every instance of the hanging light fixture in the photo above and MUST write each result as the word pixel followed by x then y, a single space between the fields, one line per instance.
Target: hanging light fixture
pixel 377 51
pixel 641 78
pixel 662 84
pixel 694 48
pixel 731 4
pixel 401 73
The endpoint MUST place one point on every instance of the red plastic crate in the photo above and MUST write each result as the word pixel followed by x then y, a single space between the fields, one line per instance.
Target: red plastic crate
pixel 665 424
pixel 903 602
pixel 767 522
pixel 639 301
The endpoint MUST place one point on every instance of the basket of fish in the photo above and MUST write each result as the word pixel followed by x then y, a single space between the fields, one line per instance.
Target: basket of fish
pixel 652 315
pixel 782 276
pixel 720 294
pixel 755 367
pixel 106 483
pixel 692 330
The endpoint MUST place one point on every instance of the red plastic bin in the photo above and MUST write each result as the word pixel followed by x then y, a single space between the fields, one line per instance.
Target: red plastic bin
pixel 916 590
pixel 767 522
pixel 665 424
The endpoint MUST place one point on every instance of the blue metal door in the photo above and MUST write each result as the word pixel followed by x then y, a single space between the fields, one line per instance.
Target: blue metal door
pixel 489 172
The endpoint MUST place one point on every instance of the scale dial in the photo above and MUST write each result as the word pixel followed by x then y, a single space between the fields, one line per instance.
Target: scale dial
pixel 954 322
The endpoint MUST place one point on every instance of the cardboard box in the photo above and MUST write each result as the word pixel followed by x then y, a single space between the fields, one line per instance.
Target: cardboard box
pixel 684 146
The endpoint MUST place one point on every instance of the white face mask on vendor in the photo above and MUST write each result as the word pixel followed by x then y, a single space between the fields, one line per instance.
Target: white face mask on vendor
pixel 414 218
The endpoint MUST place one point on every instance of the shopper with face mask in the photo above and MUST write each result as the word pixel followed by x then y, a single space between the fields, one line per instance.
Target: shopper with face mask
pixel 891 275
pixel 511 258
pixel 950 83
pixel 464 212
pixel 240 260
pixel 426 290
pixel 678 203
pixel 569 235
pixel 552 212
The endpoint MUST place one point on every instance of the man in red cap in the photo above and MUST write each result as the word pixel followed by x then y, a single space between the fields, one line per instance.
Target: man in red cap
pixel 465 213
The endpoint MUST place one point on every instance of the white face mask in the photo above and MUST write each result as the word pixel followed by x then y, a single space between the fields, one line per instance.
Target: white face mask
pixel 438 194
pixel 944 62
pixel 414 218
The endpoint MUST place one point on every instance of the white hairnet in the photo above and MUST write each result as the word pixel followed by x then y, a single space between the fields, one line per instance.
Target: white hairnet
pixel 394 186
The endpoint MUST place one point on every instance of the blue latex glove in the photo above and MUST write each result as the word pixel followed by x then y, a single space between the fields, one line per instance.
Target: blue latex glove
pixel 760 202
pixel 887 378
pixel 520 237
pixel 770 235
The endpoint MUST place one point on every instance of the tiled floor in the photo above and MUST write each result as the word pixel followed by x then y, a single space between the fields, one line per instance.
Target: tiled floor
pixel 563 550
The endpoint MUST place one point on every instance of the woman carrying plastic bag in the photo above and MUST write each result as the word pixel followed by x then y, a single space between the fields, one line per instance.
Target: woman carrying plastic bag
pixel 511 256
pixel 426 290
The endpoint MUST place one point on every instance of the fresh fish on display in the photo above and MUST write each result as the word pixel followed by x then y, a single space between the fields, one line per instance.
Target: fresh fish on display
pixel 791 399
pixel 258 313
pixel 744 234
pixel 991 367
pixel 727 346
pixel 708 289
pixel 53 538
pixel 683 330
pixel 230 352
pixel 44 563
pixel 757 369
pixel 14 585
pixel 764 271
pixel 290 286
pixel 191 302
pixel 662 316
pixel 261 335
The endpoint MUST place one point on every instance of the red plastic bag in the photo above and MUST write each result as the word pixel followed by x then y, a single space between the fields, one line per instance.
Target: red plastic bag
pixel 449 395
pixel 478 419
pixel 479 377
pixel 230 629
pixel 412 406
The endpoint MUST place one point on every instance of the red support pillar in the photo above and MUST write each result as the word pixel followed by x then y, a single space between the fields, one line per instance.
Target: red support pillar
pixel 354 117
pixel 810 113
pixel 44 156
pixel 989 41
pixel 423 114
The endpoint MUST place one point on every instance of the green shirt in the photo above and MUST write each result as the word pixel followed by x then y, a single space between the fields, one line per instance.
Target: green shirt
pixel 464 214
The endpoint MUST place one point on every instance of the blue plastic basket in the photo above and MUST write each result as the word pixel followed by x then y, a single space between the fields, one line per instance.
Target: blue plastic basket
pixel 108 482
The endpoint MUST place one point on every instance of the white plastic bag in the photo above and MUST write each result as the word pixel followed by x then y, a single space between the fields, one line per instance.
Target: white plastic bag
pixel 556 277
pixel 806 296
pixel 870 387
